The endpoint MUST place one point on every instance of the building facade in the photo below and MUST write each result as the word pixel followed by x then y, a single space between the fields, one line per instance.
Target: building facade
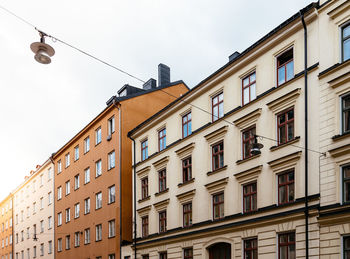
pixel 205 188
pixel 6 224
pixel 93 174
pixel 33 230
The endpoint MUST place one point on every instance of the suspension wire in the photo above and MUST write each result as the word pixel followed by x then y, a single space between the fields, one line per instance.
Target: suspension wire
pixel 132 76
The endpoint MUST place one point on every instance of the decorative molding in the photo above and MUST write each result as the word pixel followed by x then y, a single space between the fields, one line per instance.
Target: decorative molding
pixel 248 175
pixel 339 10
pixel 284 101
pixel 186 196
pixel 221 169
pixel 161 163
pixel 159 206
pixel 340 151
pixel 216 134
pixel 284 163
pixel 248 119
pixel 143 172
pixel 340 80
pixel 186 183
pixel 144 211
pixel 185 151
pixel 217 186
pixel 296 139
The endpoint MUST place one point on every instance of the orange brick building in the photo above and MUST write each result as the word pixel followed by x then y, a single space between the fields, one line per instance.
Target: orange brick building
pixel 93 174
pixel 6 227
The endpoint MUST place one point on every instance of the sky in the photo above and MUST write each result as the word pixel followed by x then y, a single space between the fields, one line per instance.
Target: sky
pixel 43 106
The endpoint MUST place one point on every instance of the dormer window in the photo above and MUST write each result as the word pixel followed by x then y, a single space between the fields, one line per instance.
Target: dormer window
pixel 123 93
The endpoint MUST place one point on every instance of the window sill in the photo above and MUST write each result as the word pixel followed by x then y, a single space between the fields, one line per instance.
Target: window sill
pixel 217 170
pixel 86 183
pixel 341 136
pixel 109 169
pixel 85 244
pixel 238 162
pixel 185 183
pixel 144 199
pixel 109 203
pixel 87 213
pixel 296 139
pixel 159 193
pixel 111 237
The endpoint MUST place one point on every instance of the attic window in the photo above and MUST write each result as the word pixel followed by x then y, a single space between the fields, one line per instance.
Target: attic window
pixel 285 67
pixel 123 93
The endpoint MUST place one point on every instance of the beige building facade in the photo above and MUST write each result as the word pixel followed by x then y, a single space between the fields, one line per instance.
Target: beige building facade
pixel 34 215
pixel 205 189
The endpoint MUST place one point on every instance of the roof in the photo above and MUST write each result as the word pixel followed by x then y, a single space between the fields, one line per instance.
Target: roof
pixel 230 62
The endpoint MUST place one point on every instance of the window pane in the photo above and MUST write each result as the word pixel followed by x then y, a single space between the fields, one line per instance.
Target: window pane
pixel 221 97
pixel 346 49
pixel 282 134
pixel 290 72
pixel 281 75
pixel 282 194
pixel 346 31
pixel 290 130
pixel 252 92
pixel 221 110
pixel 246 95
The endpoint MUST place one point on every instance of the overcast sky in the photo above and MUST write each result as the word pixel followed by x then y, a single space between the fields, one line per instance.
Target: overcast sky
pixel 43 106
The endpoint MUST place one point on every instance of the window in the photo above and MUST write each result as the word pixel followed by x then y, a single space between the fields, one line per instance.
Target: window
pixel 49 198
pixel 59 244
pixel 188 253
pixel 111 126
pixel 346 42
pixel 346 183
pixel 111 194
pixel 99 200
pixel 218 156
pixel 249 197
pixel 68 242
pixel 285 126
pixel 346 247
pixel 42 249
pixel 99 232
pixel 59 193
pixel 186 169
pixel 162 221
pixel 217 103
pixel 111 256
pixel 163 255
pixel 111 160
pixel 285 67
pixel 41 203
pixel 98 168
pixel 111 228
pixel 50 247
pixel 162 180
pixel 187 214
pixel 144 188
pixel 34 207
pixel 247 141
pixel 41 181
pixel 87 236
pixel 345 106
pixel 76 182
pixel 251 248
pixel 248 88
pixel 76 153
pixel 218 206
pixel 162 139
pixel 144 149
pixel 286 187
pixel 86 145
pixel 144 226
pixel 87 206
pixel 49 174
pixel 59 219
pixel 34 252
pixel 67 159
pixel 41 226
pixel 59 166
pixel 49 222
pixel 76 239
pixel 186 125
pixel 76 210
pixel 67 187
pixel 286 246
pixel 87 175
pixel 98 136
pixel 67 215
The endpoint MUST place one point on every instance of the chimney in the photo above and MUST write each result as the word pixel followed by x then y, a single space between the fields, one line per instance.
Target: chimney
pixel 150 84
pixel 163 74
pixel 233 56
pixel 37 167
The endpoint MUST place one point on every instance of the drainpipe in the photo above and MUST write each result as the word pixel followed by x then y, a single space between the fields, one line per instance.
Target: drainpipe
pixel 306 210
pixel 134 198
pixel 53 203
pixel 120 174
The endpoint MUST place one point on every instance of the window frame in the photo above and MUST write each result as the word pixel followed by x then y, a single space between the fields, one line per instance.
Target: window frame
pixel 96 199
pixel 186 169
pixel 278 66
pixel 86 144
pixel 345 250
pixel 162 221
pixel 144 149
pixel 250 195
pixel 218 154
pixel 144 188
pixel 111 228
pixel 343 112
pixel 87 201
pixel 287 183
pixel 344 181
pixel 250 83
pixel 186 121
pixel 217 105
pixel 98 173
pixel 249 141
pixel 188 250
pixel 162 180
pixel 76 182
pixel 111 126
pixel 98 230
pixel 343 40
pixel 249 251
pixel 76 153
pixel 98 136
pixel 285 123
pixel 219 204
pixel 111 160
pixel 187 214
pixel 145 226
pixel 287 244
pixel 162 139
pixel 110 200
pixel 86 181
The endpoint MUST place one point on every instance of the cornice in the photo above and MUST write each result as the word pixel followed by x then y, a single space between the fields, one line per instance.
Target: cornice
pixel 339 10
pixel 248 175
pixel 144 171
pixel 161 204
pixel 340 151
pixel 284 101
pixel 161 162
pixel 248 119
pixel 216 186
pixel 186 150
pixel 340 80
pixel 216 134
pixel 285 162
pixel 186 196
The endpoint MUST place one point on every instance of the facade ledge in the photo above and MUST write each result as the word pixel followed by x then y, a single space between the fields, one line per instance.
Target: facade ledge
pixel 159 193
pixel 186 183
pixel 248 175
pixel 241 161
pixel 295 140
pixel 216 134
pixel 284 101
pixel 340 80
pixel 161 163
pixel 217 186
pixel 185 151
pixel 248 119
pixel 143 172
pixel 144 211
pixel 217 170
pixel 340 151
pixel 285 162
pixel 336 67
pixel 341 136
pixel 161 205
pixel 186 196
pixel 339 10
pixel 144 199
